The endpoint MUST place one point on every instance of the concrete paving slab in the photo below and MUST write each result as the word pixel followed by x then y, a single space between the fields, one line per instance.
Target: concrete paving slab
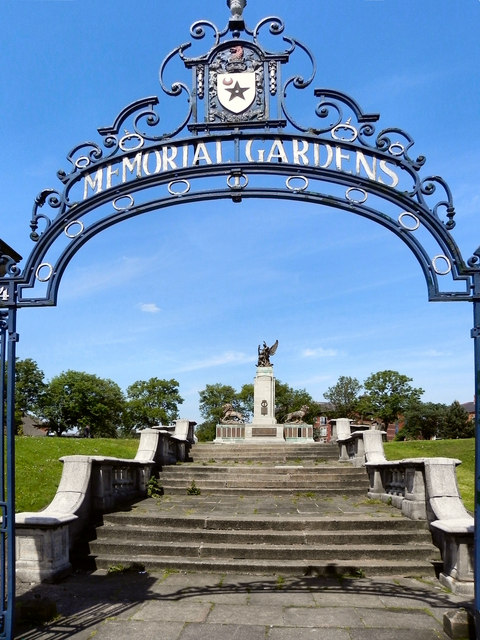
pixel 398 619
pixel 338 598
pixel 246 615
pixel 337 617
pixel 396 634
pixel 313 633
pixel 172 611
pixel 221 632
pixel 138 629
pixel 281 597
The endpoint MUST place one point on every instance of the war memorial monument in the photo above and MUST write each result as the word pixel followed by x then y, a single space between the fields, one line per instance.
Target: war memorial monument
pixel 264 428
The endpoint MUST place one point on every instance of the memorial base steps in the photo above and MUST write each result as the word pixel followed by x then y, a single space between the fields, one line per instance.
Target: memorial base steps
pixel 266 518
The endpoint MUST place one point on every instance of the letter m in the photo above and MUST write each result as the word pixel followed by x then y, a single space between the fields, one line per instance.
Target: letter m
pixel 94 181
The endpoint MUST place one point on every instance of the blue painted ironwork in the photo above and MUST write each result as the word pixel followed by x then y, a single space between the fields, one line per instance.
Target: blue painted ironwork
pixel 239 139
pixel 8 339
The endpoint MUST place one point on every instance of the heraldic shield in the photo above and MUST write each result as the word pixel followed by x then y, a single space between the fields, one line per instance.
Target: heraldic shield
pixel 236 91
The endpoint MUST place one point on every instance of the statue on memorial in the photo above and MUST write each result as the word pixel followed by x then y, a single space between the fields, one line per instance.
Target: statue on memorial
pixel 296 417
pixel 230 416
pixel 264 354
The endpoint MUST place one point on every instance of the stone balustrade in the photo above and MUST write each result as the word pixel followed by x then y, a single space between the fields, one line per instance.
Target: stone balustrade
pixel 91 485
pixel 423 489
pixel 353 447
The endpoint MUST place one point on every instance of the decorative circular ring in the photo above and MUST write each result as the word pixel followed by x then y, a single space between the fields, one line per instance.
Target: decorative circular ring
pixel 82 162
pixel 128 206
pixel 437 270
pixel 297 189
pixel 48 276
pixel 74 235
pixel 178 193
pixel 237 177
pixel 131 136
pixel 355 200
pixel 396 149
pixel 347 127
pixel 409 215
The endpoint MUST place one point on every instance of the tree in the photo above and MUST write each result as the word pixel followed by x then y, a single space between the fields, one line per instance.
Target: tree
pixel 423 420
pixel 246 400
pixel 457 423
pixel 388 395
pixel 212 399
pixel 344 395
pixel 152 402
pixel 29 386
pixel 75 399
pixel 288 399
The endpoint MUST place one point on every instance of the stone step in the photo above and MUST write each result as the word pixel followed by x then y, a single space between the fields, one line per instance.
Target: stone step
pixel 244 483
pixel 302 567
pixel 254 550
pixel 207 489
pixel 264 536
pixel 278 450
pixel 277 446
pixel 268 483
pixel 257 523
pixel 264 452
pixel 259 458
pixel 264 472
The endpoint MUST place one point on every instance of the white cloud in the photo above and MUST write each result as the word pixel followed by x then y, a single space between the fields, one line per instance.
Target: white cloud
pixel 319 352
pixel 149 307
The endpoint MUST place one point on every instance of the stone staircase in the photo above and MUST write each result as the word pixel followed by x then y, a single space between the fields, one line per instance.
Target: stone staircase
pixel 279 509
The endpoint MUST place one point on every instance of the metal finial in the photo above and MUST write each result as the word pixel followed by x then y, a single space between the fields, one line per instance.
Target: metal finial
pixel 237 7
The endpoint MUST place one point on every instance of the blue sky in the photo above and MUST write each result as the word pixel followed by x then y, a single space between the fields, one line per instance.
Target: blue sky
pixel 189 292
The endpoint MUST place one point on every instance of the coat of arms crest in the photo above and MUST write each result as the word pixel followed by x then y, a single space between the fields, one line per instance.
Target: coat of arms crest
pixel 236 85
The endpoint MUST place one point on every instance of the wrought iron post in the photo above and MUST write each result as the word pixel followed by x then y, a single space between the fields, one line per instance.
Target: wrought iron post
pixel 9 337
pixel 476 341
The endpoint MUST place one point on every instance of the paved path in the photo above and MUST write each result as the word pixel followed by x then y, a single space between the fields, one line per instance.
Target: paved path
pixel 196 606
pixel 297 505
pixel 193 606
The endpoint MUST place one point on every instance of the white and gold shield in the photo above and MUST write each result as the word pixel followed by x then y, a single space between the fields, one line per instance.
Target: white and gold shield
pixel 236 91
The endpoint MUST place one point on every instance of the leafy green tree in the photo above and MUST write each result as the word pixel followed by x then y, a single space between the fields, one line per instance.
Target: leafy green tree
pixel 344 395
pixel 75 399
pixel 288 399
pixel 29 386
pixel 388 394
pixel 245 398
pixel 423 420
pixel 212 399
pixel 152 402
pixel 457 423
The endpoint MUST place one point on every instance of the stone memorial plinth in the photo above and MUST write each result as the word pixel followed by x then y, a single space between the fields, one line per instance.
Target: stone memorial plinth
pixel 264 427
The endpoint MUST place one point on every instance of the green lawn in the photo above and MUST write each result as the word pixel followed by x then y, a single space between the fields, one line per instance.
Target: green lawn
pixel 38 469
pixel 464 450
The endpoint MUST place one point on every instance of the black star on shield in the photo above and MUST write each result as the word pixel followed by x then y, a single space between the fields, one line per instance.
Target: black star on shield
pixel 237 91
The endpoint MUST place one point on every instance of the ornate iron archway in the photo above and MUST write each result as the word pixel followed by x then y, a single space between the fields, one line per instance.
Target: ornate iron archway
pixel 237 140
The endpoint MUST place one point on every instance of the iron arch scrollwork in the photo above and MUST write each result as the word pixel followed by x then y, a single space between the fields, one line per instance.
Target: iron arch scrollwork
pixel 238 125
